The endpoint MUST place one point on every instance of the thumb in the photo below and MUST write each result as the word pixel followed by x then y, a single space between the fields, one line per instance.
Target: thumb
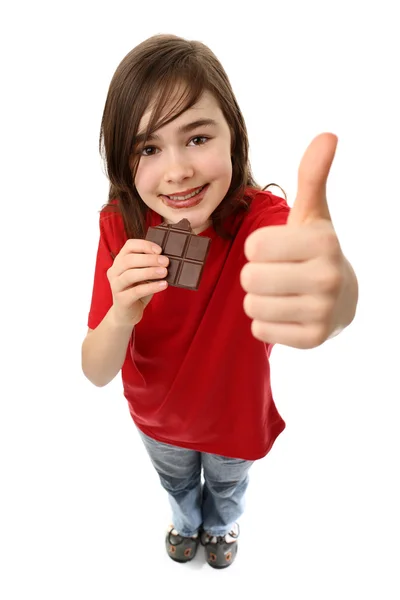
pixel 311 203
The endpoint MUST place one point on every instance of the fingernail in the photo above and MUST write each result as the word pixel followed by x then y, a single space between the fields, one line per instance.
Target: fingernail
pixel 156 249
pixel 163 260
pixel 161 271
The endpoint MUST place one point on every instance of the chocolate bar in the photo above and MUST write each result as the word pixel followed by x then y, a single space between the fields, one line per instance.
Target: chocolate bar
pixel 187 252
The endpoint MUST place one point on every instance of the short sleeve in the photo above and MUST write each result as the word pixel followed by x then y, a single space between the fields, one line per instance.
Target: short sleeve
pixel 269 210
pixel 101 295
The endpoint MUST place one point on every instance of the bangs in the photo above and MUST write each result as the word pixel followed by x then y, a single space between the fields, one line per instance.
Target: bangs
pixel 171 98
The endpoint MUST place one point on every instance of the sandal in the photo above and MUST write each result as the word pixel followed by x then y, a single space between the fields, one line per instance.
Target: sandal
pixel 181 549
pixel 221 550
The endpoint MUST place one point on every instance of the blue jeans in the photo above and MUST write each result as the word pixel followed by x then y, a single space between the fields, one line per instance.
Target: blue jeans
pixel 217 504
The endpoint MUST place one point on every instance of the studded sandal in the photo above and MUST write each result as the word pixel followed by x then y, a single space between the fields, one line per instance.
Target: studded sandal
pixel 181 549
pixel 221 550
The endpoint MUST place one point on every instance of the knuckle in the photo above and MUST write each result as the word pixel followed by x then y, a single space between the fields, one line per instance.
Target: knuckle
pixel 335 280
pixel 129 262
pixel 129 245
pixel 328 279
pixel 318 336
pixel 320 309
pixel 328 242
pixel 332 244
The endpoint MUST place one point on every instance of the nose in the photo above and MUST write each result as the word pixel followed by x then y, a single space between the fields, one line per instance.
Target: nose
pixel 177 168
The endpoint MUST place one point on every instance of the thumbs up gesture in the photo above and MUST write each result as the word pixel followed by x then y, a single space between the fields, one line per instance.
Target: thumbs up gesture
pixel 300 288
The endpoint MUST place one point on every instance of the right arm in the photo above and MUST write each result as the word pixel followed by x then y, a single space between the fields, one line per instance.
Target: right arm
pixel 131 279
pixel 104 350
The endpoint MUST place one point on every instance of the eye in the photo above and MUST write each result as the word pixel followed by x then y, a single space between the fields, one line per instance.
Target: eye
pixel 148 151
pixel 199 140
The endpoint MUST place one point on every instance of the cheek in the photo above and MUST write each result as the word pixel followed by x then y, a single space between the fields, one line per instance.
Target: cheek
pixel 145 177
pixel 218 164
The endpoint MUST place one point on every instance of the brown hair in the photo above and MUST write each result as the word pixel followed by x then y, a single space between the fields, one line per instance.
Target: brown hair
pixel 152 73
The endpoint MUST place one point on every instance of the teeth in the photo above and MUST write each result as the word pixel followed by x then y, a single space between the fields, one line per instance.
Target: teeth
pixel 188 196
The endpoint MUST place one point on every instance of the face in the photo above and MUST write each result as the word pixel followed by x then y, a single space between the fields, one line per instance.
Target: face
pixel 185 167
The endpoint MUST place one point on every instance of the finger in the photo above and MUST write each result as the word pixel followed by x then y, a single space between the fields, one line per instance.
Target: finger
pixel 134 276
pixel 275 279
pixel 136 261
pixel 140 246
pixel 145 289
pixel 311 202
pixel 287 309
pixel 282 279
pixel 282 243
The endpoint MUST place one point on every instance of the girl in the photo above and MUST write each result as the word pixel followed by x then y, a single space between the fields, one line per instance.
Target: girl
pixel 195 370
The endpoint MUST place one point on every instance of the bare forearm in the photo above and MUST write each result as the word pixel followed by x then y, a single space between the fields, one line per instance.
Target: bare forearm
pixel 104 350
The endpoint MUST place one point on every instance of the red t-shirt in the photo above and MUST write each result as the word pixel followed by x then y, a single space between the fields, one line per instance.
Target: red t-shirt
pixel 194 376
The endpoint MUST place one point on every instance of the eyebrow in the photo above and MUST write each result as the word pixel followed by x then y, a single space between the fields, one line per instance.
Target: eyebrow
pixel 141 137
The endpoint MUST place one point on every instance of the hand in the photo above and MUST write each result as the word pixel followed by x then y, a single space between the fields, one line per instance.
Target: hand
pixel 295 275
pixel 137 262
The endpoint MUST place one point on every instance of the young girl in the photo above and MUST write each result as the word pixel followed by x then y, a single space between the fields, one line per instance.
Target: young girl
pixel 195 364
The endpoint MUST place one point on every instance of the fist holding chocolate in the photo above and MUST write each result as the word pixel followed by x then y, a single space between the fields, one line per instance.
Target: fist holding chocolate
pixel 187 252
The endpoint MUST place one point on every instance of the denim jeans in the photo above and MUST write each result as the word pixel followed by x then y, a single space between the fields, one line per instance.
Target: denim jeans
pixel 217 504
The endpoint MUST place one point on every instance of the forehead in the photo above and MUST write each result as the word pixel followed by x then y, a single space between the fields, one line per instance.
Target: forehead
pixel 206 106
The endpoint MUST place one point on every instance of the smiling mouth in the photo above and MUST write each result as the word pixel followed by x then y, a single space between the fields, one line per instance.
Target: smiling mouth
pixel 188 200
pixel 192 194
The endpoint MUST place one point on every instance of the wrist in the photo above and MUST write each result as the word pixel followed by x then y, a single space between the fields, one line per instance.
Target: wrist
pixel 119 321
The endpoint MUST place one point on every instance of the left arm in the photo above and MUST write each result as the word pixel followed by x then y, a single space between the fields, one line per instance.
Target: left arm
pixel 301 289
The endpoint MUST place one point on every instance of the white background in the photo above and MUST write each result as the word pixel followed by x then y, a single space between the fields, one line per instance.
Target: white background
pixel 82 514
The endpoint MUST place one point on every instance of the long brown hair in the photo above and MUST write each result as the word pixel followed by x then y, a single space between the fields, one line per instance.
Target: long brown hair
pixel 152 73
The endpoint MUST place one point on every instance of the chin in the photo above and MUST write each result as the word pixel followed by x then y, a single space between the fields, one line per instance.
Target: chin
pixel 197 222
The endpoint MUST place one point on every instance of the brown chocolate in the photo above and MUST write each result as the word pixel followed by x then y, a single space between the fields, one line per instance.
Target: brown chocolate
pixel 187 252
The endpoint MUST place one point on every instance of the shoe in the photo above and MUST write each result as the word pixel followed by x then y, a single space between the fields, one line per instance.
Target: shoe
pixel 181 549
pixel 221 550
